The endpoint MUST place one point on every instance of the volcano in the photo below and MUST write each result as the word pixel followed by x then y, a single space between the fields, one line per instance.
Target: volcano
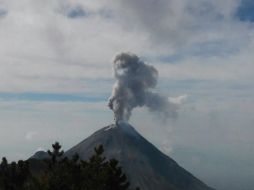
pixel 144 165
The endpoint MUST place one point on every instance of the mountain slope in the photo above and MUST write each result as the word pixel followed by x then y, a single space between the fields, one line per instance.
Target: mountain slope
pixel 144 164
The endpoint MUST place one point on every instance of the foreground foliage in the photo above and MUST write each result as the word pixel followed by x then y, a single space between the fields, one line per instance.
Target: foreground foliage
pixel 61 173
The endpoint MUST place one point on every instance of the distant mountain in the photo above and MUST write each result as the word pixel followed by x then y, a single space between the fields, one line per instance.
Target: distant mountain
pixel 145 166
pixel 40 155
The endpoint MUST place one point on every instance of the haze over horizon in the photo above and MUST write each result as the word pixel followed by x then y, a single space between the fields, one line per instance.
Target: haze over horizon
pixel 56 77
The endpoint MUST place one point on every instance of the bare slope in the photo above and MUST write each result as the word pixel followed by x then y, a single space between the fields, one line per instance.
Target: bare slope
pixel 144 164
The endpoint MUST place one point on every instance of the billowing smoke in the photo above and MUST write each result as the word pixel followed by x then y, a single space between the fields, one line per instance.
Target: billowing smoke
pixel 134 87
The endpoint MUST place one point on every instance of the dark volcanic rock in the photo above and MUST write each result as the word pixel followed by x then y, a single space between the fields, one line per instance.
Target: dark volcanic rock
pixel 145 166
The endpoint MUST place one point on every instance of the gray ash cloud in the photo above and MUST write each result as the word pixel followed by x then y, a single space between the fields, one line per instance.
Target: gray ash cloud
pixel 135 87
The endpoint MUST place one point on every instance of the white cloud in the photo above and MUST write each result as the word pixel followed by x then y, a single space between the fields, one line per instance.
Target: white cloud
pixel 44 50
pixel 179 22
pixel 179 99
pixel 166 147
pixel 31 135
pixel 40 149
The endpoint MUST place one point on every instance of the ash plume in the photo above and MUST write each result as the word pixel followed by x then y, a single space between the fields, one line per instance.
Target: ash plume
pixel 134 87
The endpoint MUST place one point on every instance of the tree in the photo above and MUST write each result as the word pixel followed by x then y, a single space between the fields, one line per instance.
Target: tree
pixel 103 174
pixel 56 153
pixel 14 176
pixel 116 179
pixel 56 174
pixel 62 173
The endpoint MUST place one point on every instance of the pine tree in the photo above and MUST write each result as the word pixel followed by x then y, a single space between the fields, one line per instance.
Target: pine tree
pixel 54 176
pixel 62 173
pixel 57 153
pixel 14 176
pixel 4 179
pixel 116 180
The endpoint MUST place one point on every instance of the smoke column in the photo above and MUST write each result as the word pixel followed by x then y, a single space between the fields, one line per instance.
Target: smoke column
pixel 134 87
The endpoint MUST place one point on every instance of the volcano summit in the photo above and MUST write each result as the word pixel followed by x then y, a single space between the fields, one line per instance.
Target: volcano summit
pixel 145 166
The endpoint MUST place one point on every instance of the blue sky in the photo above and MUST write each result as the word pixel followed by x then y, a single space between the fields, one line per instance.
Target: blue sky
pixel 245 11
pixel 56 76
pixel 51 97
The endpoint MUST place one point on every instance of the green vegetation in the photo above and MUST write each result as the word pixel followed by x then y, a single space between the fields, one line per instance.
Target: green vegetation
pixel 61 173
